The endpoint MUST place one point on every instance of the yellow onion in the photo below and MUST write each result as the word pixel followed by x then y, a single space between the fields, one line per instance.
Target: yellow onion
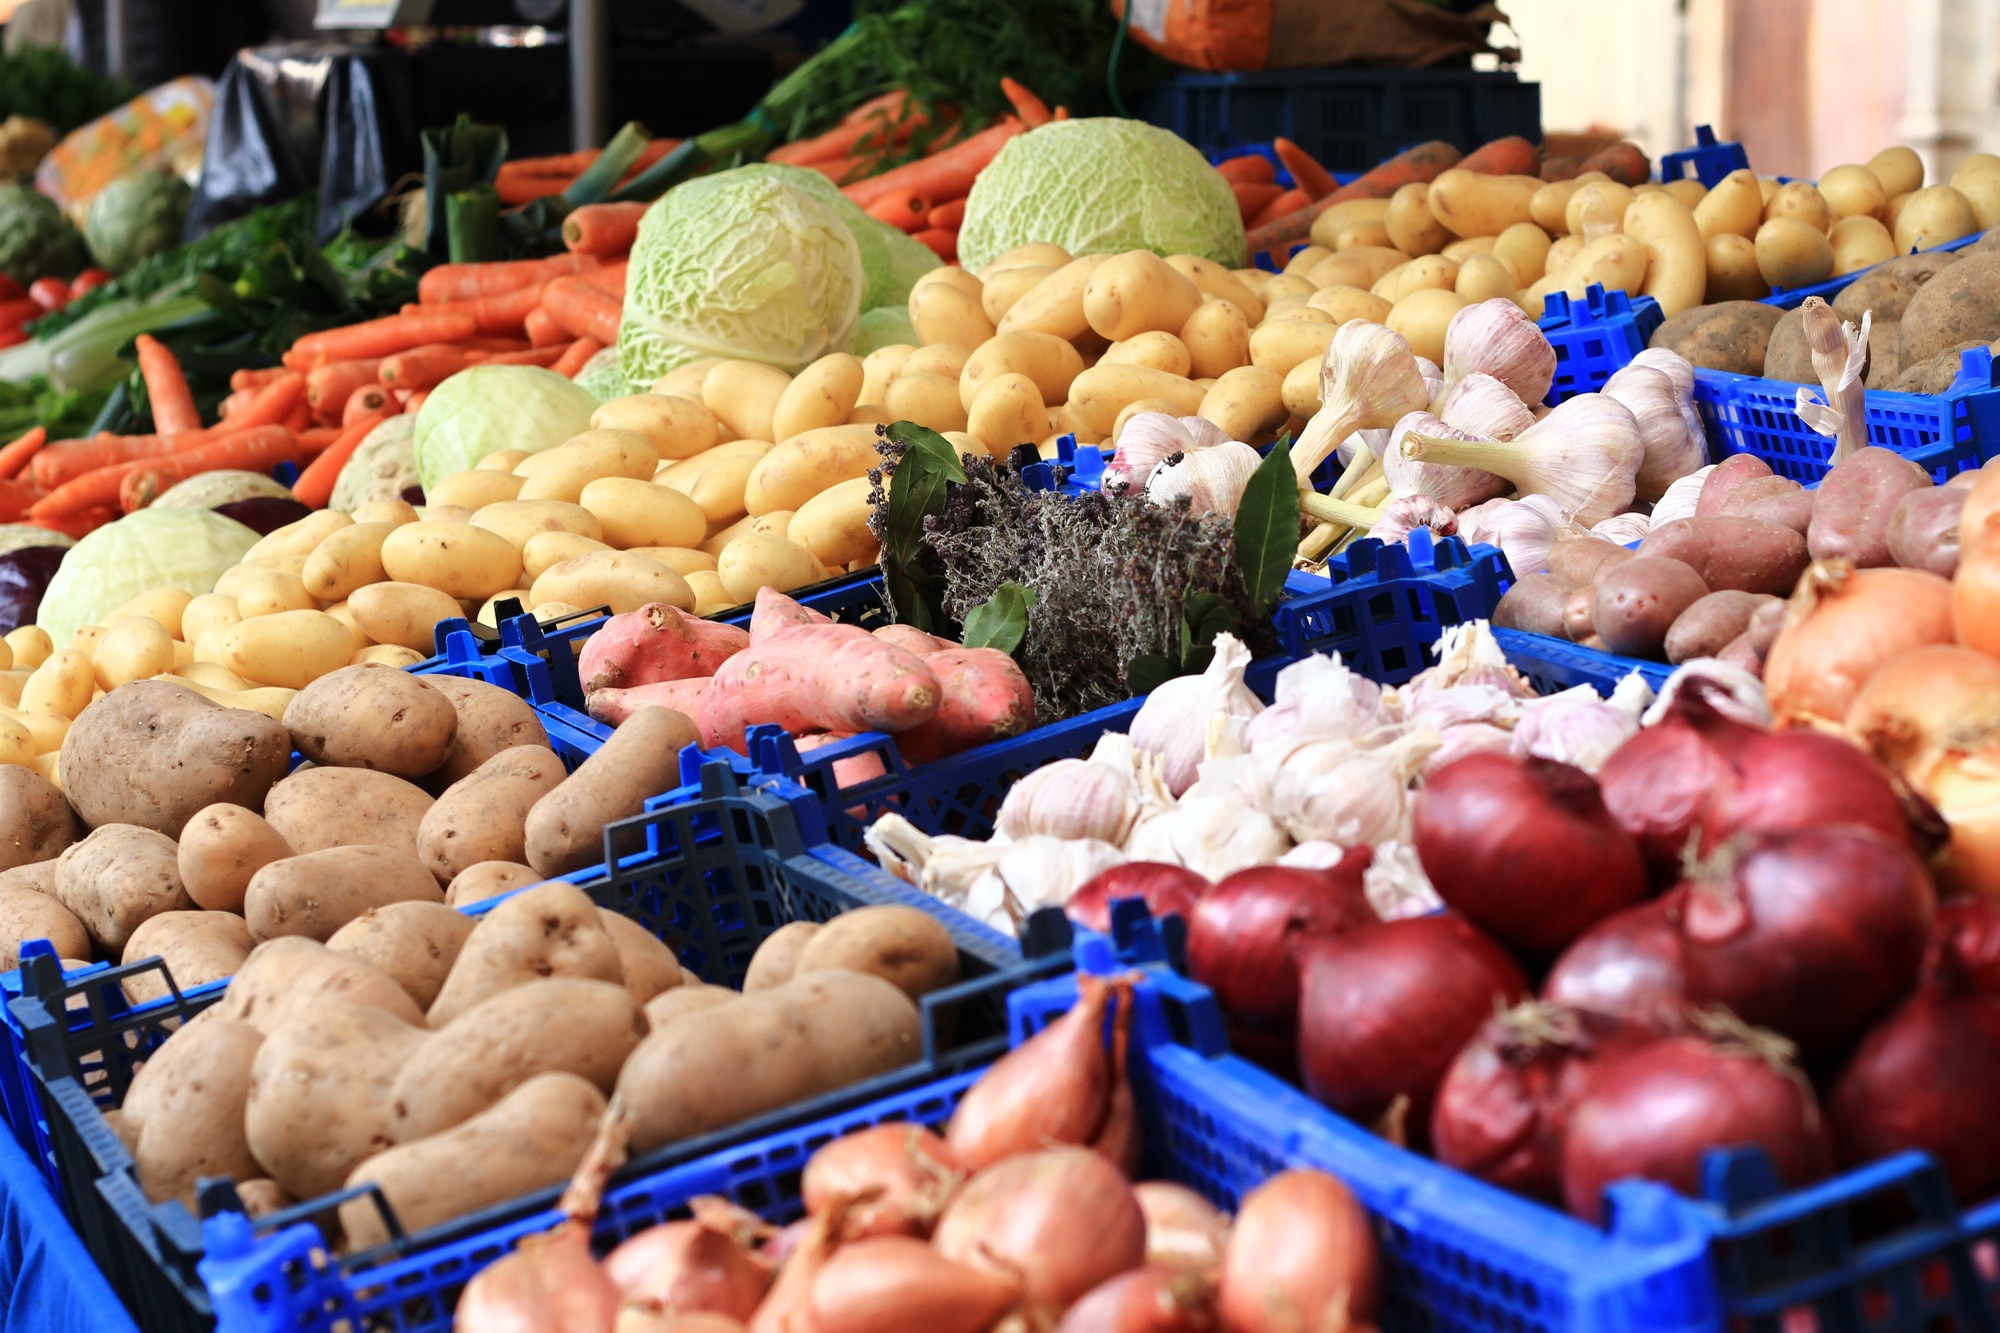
pixel 1841 625
pixel 1966 791
pixel 1926 704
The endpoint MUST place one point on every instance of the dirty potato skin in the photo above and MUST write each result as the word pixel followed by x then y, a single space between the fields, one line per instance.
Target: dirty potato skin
pixel 413 942
pixel 373 716
pixel 490 720
pixel 153 754
pixel 36 822
pixel 118 877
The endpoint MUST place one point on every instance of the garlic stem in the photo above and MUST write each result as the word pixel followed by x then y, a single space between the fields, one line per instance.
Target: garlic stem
pixel 1321 437
pixel 1357 467
pixel 1373 494
pixel 1319 541
pixel 1339 511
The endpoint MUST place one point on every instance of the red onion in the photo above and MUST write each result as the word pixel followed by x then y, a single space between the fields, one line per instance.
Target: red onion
pixel 1805 779
pixel 1928 1075
pixel 1241 935
pixel 1628 964
pixel 1163 887
pixel 1063 1221
pixel 1302 1256
pixel 898 1284
pixel 898 1176
pixel 1184 1231
pixel 1654 1111
pixel 1053 1088
pixel 1812 934
pixel 1385 1010
pixel 1967 931
pixel 1145 1300
pixel 1525 849
pixel 1661 784
pixel 704 1264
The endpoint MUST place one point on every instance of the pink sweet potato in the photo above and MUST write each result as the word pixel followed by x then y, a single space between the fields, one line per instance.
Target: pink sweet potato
pixel 912 639
pixel 656 643
pixel 851 772
pixel 775 611
pixel 986 698
pixel 819 678
pixel 613 706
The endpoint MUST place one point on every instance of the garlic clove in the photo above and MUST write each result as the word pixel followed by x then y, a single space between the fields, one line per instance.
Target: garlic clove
pixel 1575 727
pixel 1670 453
pixel 1585 455
pixel 1173 722
pixel 1396 884
pixel 1316 698
pixel 1406 513
pixel 1071 798
pixel 1681 497
pixel 1498 338
pixel 1623 528
pixel 1525 529
pixel 1484 408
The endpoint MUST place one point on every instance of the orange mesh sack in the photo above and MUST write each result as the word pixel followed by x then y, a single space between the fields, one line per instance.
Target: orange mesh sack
pixel 1239 35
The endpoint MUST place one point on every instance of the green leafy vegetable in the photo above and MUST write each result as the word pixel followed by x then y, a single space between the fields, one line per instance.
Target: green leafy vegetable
pixel 43 83
pixel 1001 621
pixel 925 465
pixel 35 402
pixel 136 217
pixel 457 157
pixel 1267 530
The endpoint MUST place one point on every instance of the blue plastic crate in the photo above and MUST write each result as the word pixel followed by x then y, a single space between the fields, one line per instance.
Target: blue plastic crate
pixel 719 873
pixel 1708 161
pixel 1553 665
pixel 1791 298
pixel 1595 338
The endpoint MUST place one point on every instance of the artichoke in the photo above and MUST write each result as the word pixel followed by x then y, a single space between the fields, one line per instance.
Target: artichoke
pixel 136 217
pixel 36 240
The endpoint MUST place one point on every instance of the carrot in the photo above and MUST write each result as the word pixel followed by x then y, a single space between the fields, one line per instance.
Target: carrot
pixel 297 419
pixel 840 141
pixel 945 175
pixel 1062 113
pixel 329 387
pixel 534 356
pixel 1032 110
pixel 166 387
pixel 943 244
pixel 368 400
pixel 840 170
pixel 65 460
pixel 573 359
pixel 315 438
pixel 1253 198
pixel 1249 169
pixel 1307 173
pixel 254 379
pixel 17 454
pixel 315 485
pixel 610 279
pixel 391 334
pixel 16 497
pixel 98 485
pixel 236 402
pixel 947 217
pixel 1622 162
pixel 494 344
pixel 1511 156
pixel 78 525
pixel 602 229
pixel 1283 204
pixel 273 403
pixel 465 282
pixel 517 189
pixel 571 165
pixel 426 367
pixel 905 210
pixel 415 402
pixel 543 331
pixel 257 450
pixel 584 310
pixel 1420 164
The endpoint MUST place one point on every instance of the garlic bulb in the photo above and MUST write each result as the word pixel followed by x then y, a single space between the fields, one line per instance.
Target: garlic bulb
pixel 1212 479
pixel 1623 528
pixel 1071 798
pixel 1670 454
pixel 1396 884
pixel 1585 454
pixel 1213 834
pixel 1156 803
pixel 1315 856
pixel 1433 377
pixel 1681 497
pixel 1454 487
pixel 1375 441
pixel 944 867
pixel 1574 727
pixel 1467 654
pixel 1735 692
pixel 1369 380
pixel 1035 873
pixel 1150 438
pixel 1332 791
pixel 1442 708
pixel 1523 529
pixel 1406 513
pixel 1484 409
pixel 1317 698
pixel 1173 722
pixel 1464 739
pixel 1677 369
pixel 1498 338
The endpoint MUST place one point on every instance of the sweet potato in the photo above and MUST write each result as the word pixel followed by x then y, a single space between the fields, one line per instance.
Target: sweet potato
pixel 656 643
pixel 851 771
pixel 775 611
pixel 911 639
pixel 986 698
pixel 819 678
pixel 612 707
pixel 1856 501
pixel 1747 554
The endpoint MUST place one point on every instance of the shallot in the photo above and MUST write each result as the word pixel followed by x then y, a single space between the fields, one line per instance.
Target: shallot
pixel 898 1284
pixel 1145 1300
pixel 898 1178
pixel 1053 1088
pixel 1301 1257
pixel 704 1264
pixel 1184 1231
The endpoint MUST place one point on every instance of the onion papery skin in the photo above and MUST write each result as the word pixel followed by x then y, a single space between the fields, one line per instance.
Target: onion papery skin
pixel 1146 1300
pixel 1240 940
pixel 551 1283
pixel 1966 791
pixel 1628 965
pixel 1965 935
pixel 1384 1011
pixel 1663 783
pixel 1053 1088
pixel 1813 934
pixel 898 1176
pixel 1841 626
pixel 688 1266
pixel 1184 1231
pixel 899 1284
pixel 1525 849
pixel 1805 779
pixel 1924 704
pixel 1301 1256
pixel 1165 888
pixel 1654 1111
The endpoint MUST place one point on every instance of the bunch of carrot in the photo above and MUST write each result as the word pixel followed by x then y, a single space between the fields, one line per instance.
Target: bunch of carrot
pixel 526 179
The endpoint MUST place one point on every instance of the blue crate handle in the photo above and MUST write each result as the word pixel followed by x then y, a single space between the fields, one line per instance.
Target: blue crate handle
pixel 1708 161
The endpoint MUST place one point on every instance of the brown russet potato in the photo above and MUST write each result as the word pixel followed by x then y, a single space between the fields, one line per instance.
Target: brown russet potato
pixel 184 1110
pixel 220 849
pixel 373 716
pixel 564 830
pixel 318 808
pixel 552 930
pixel 490 720
pixel 26 914
pixel 488 879
pixel 903 945
pixel 152 754
pixel 648 965
pixel 483 816
pixel 777 957
pixel 317 893
pixel 414 942
pixel 197 947
pixel 287 977
pixel 36 822
pixel 116 878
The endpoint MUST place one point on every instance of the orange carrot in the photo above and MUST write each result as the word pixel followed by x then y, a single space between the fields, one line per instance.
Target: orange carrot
pixel 236 402
pixel 65 460
pixel 503 313
pixel 943 244
pixel 1249 169
pixel 415 402
pixel 577 354
pixel 273 403
pixel 257 450
pixel 78 525
pixel 166 387
pixel 945 175
pixel 254 379
pixel 947 217
pixel 602 229
pixel 315 485
pixel 465 282
pixel 367 401
pixel 425 367
pixel 1284 204
pixel 16 497
pixel 1032 110
pixel 99 486
pixel 534 356
pixel 298 418
pixel 875 115
pixel 17 454
pixel 1307 173
pixel 315 438
pixel 584 310
pixel 1420 164
pixel 905 210
pixel 610 279
pixel 1515 156
pixel 389 335
pixel 840 170
pixel 543 331
pixel 1252 199
pixel 493 343
pixel 329 387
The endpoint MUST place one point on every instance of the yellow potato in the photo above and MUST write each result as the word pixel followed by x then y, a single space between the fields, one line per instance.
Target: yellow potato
pixel 807 464
pixel 500 460
pixel 1134 408
pixel 1732 269
pixel 546 549
pixel 1279 345
pixel 676 427
pixel 349 559
pixel 1790 253
pixel 166 605
pixel 445 514
pixel 879 370
pixel 709 594
pixel 1548 207
pixel 263 592
pixel 1471 204
pixel 1688 190
pixel 45 730
pixel 1355 268
pixel 1429 273
pixel 928 400
pixel 683 560
pixel 1524 248
pixel 1341 304
pixel 1007 412
pixel 821 395
pixel 1460 251
pixel 682 475
pixel 1421 318
pixel 932 359
pixel 1002 289
pixel 63 685
pixel 719 489
pixel 744 395
pixel 1049 361
pixel 1676 259
pixel 1355 234
pixel 474 489
pixel 1899 169
pixel 402 613
pixel 1858 242
pixel 1312 256
pixel 1246 402
pixel 1767 187
pixel 17 744
pixel 1138 292
pixel 133 649
pixel 833 525
pixel 1894 209
pixel 396 512
pixel 1348 211
pixel 1294 307
pixel 297 539
pixel 758 560
pixel 11 684
pixel 1213 280
pixel 271 701
pixel 458 559
pixel 971 444
pixel 1614 261
pixel 773 524
pixel 1597 209
pixel 638 513
pixel 1978 179
pixel 942 313
pixel 1735 207
pixel 1301 389
pixel 291 649
pixel 1055 304
pixel 519 521
pixel 1286 284
pixel 1800 200
pixel 29 646
pixel 1161 351
pixel 686 381
pixel 1932 216
pixel 562 473
pixel 399 657
pixel 618 579
pixel 1562 253
pixel 1100 392
pixel 1036 254
pixel 212 674
pixel 1484 278
pixel 1217 338
pixel 1853 191
pixel 1411 225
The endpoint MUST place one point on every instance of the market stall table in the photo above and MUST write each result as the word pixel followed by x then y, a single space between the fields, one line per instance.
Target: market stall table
pixel 48 1282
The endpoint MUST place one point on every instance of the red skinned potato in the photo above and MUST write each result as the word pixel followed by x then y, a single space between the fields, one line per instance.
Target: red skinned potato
pixel 1637 603
pixel 1714 622
pixel 1773 499
pixel 1856 502
pixel 1730 473
pixel 986 698
pixel 1744 554
pixel 656 643
pixel 819 678
pixel 1923 529
pixel 1535 604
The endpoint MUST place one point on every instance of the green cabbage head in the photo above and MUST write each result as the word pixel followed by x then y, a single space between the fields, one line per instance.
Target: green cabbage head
pixel 489 408
pixel 743 264
pixel 891 259
pixel 1101 186
pixel 152 548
